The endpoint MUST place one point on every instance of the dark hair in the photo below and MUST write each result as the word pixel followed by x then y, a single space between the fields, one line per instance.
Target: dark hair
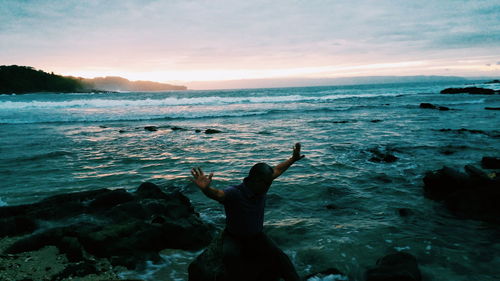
pixel 259 171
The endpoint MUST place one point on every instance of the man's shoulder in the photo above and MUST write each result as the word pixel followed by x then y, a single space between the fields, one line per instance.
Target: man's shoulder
pixel 233 191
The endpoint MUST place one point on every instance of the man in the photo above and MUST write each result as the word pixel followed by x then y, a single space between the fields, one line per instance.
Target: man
pixel 243 239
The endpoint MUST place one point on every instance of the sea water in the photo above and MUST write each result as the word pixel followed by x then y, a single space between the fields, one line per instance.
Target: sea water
pixel 334 208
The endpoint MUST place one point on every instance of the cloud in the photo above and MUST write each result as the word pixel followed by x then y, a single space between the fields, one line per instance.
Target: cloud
pixel 188 34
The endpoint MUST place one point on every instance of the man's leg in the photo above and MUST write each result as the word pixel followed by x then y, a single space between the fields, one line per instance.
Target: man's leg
pixel 284 264
pixel 232 257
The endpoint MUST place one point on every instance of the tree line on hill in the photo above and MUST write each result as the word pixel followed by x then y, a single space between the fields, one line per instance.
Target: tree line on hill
pixel 26 79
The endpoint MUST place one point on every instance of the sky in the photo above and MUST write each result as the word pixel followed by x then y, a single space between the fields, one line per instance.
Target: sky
pixel 196 42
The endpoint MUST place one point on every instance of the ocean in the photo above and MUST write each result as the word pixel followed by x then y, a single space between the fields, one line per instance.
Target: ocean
pixel 334 208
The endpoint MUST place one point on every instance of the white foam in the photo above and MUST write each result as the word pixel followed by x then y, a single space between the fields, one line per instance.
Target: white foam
pixel 171 101
pixel 331 277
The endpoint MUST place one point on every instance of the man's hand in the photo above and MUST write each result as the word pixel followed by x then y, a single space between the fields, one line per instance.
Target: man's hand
pixel 296 153
pixel 200 179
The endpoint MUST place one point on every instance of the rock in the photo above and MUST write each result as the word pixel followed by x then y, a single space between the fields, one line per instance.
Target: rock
pixel 197 131
pixel 490 162
pixel 395 267
pixel 469 90
pixel 382 156
pixel 212 131
pixel 126 228
pixel 151 128
pixel 18 225
pixel 376 121
pixel 496 81
pixel 329 274
pixel 471 195
pixel 121 131
pixel 443 108
pixel 427 105
pixel 209 266
pixel 492 108
pixel 332 207
pixel 405 212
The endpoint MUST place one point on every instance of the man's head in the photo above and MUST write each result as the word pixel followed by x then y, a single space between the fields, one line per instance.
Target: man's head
pixel 260 178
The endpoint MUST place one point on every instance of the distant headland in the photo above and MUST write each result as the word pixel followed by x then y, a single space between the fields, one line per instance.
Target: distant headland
pixel 25 79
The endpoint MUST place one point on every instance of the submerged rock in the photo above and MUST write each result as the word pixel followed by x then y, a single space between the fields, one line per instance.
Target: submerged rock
pixel 431 106
pixel 126 228
pixel 472 194
pixel 151 128
pixel 395 267
pixel 382 156
pixel 469 90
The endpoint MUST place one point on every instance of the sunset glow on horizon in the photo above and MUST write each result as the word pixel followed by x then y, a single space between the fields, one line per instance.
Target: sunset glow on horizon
pixel 216 41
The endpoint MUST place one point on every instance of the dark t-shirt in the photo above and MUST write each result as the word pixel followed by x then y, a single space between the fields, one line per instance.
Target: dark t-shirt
pixel 244 210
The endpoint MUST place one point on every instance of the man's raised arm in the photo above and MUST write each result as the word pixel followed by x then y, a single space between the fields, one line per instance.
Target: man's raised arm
pixel 283 166
pixel 203 182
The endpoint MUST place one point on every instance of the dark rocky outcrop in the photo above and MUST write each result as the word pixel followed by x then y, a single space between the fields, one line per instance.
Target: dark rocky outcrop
pixel 375 120
pixel 496 81
pixel 209 266
pixel 469 90
pixel 126 228
pixel 472 194
pixel 431 106
pixel 395 267
pixel 492 108
pixel 490 162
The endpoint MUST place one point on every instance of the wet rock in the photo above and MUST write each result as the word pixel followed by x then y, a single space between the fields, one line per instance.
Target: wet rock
pixel 151 128
pixel 382 156
pixel 490 162
pixel 121 131
pixel 329 274
pixel 472 194
pixel 331 207
pixel 197 131
pixel 496 81
pixel 212 131
pixel 469 90
pixel 492 108
pixel 209 266
pixel 15 226
pixel 376 121
pixel 128 228
pixel 395 267
pixel 405 212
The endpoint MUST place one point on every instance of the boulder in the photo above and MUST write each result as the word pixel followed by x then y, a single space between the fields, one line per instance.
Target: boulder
pixel 473 194
pixel 469 90
pixel 151 128
pixel 208 266
pixel 127 228
pixel 395 267
pixel 492 108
